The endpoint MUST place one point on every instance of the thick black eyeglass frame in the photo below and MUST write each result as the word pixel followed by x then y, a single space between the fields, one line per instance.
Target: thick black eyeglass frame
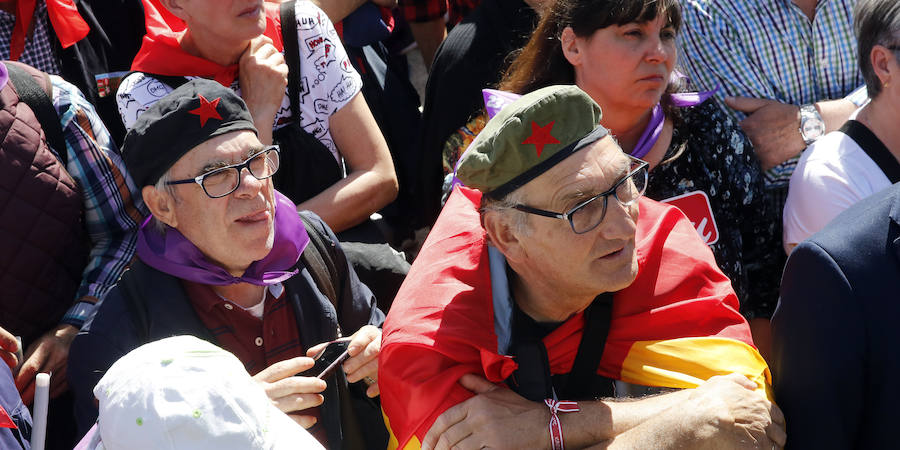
pixel 240 168
pixel 567 216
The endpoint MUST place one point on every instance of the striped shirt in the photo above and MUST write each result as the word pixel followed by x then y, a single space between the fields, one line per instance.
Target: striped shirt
pixel 770 49
pixel 111 206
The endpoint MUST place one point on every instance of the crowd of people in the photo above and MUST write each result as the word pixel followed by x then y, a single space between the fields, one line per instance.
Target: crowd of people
pixel 610 224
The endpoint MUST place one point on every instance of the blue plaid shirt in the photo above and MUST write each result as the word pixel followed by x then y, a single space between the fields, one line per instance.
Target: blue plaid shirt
pixel 112 205
pixel 770 49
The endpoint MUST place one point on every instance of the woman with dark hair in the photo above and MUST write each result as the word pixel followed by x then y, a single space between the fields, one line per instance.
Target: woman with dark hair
pixel 623 54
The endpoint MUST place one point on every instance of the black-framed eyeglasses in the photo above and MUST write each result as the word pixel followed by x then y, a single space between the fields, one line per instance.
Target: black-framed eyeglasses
pixel 222 181
pixel 586 215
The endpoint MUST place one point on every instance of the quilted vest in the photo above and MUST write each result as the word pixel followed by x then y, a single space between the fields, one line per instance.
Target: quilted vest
pixel 43 243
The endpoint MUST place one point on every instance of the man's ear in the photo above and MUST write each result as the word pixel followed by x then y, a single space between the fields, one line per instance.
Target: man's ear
pixel 175 7
pixel 503 234
pixel 569 45
pixel 881 58
pixel 161 205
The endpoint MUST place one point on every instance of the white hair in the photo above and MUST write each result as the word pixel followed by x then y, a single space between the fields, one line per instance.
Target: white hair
pixel 162 185
pixel 506 207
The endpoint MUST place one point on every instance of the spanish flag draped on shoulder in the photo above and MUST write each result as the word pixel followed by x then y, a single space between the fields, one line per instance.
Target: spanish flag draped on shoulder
pixel 675 326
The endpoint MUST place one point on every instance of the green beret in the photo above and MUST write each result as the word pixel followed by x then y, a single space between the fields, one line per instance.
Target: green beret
pixel 528 137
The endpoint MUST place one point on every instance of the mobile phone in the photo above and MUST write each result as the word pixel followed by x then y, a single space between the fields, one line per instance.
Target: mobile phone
pixel 329 358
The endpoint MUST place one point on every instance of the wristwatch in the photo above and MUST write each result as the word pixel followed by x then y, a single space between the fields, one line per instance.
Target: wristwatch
pixel 812 126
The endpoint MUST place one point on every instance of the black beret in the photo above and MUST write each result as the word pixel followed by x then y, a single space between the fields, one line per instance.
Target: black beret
pixel 185 118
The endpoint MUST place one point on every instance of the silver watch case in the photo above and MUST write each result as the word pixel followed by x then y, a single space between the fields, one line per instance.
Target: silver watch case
pixel 812 126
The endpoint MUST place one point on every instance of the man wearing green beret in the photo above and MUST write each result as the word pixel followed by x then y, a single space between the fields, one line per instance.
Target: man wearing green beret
pixel 549 287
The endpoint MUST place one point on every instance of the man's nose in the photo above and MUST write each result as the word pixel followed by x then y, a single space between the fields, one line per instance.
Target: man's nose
pixel 620 221
pixel 248 185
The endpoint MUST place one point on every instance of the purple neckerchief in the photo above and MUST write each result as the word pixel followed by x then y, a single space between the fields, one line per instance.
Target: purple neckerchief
pixel 175 255
pixel 657 118
pixel 4 76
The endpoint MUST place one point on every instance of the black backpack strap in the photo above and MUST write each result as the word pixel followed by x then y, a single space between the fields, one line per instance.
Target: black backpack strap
pixel 874 148
pixel 580 383
pixel 289 38
pixel 40 100
pixel 320 258
pixel 137 306
pixel 533 380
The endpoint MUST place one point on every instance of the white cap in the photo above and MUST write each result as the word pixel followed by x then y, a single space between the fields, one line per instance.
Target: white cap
pixel 185 393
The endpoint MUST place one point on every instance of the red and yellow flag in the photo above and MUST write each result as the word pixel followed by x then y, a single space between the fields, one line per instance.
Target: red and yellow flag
pixel 675 326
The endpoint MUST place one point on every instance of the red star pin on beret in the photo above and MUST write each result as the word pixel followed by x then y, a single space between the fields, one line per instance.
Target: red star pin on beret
pixel 540 136
pixel 207 110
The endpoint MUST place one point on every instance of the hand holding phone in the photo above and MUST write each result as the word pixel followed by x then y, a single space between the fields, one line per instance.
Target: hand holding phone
pixel 291 394
pixel 329 358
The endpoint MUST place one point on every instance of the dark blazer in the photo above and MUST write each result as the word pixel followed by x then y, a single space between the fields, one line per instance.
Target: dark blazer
pixel 115 330
pixel 836 331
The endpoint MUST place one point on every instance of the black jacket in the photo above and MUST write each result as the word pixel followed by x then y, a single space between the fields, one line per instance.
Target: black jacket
pixel 835 331
pixel 118 328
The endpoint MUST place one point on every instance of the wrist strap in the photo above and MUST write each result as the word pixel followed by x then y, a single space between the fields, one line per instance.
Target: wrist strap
pixel 556 406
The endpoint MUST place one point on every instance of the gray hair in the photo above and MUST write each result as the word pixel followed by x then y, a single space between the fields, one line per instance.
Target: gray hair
pixel 505 207
pixel 162 185
pixel 877 22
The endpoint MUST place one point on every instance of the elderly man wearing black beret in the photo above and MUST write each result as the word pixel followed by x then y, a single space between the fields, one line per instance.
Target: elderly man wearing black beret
pixel 227 258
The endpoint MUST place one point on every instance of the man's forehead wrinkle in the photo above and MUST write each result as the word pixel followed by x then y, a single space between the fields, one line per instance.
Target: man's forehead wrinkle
pixel 569 185
pixel 595 175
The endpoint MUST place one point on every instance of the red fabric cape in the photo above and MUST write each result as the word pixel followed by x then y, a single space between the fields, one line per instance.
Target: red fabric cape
pixel 440 325
pixel 161 51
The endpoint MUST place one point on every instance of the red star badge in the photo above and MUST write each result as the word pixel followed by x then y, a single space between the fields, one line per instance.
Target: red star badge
pixel 540 136
pixel 207 110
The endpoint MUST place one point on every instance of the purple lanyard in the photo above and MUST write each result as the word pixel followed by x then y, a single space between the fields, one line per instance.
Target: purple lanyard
pixel 658 118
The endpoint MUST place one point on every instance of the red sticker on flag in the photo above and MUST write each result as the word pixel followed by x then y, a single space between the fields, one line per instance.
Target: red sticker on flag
pixel 5 420
pixel 695 205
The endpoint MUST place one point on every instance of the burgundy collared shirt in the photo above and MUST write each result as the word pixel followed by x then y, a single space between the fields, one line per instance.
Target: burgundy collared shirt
pixel 258 343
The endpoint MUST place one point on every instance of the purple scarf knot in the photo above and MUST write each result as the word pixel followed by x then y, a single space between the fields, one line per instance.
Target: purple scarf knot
pixel 174 254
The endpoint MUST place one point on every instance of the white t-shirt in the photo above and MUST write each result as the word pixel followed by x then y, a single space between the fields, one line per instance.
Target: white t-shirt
pixel 327 80
pixel 832 175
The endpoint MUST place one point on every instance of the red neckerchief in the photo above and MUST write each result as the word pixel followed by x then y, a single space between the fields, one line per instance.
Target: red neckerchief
pixel 161 51
pixel 67 24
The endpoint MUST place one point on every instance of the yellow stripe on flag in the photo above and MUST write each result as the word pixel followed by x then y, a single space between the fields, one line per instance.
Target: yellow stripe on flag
pixel 687 362
pixel 393 443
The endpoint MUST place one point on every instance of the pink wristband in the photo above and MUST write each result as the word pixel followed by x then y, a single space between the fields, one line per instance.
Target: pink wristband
pixel 556 435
